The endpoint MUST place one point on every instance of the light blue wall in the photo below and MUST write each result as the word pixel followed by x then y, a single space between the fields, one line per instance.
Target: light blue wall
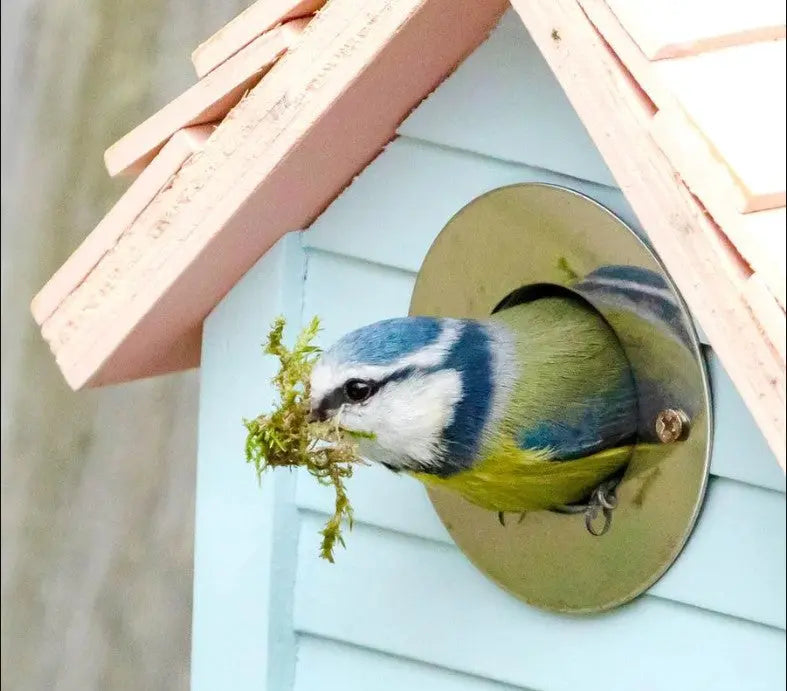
pixel 402 608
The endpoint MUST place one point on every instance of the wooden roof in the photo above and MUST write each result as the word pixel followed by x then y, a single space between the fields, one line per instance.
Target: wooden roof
pixel 685 100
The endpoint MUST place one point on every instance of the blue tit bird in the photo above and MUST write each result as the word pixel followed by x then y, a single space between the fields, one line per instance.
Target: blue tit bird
pixel 530 409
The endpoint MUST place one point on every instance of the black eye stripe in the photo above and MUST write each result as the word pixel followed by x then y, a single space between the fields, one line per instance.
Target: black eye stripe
pixel 334 399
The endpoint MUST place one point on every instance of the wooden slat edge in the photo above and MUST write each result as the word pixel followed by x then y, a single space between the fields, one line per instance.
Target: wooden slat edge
pixel 208 100
pixel 769 315
pixel 708 273
pixel 124 212
pixel 709 37
pixel 254 21
pixel 648 76
pixel 283 154
pixel 758 236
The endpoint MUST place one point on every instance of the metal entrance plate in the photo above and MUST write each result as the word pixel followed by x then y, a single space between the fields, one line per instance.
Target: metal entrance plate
pixel 531 235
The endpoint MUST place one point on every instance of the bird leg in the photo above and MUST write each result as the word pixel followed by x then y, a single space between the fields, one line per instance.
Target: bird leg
pixel 603 500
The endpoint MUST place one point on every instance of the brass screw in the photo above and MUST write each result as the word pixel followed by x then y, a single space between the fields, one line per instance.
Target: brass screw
pixel 671 426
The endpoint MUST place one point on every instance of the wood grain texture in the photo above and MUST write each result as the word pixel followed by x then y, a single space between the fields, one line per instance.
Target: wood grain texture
pixel 97 488
pixel 736 98
pixel 758 236
pixel 123 213
pixel 209 100
pixel 254 21
pixel 675 28
pixel 769 313
pixel 700 167
pixel 247 188
pixel 707 271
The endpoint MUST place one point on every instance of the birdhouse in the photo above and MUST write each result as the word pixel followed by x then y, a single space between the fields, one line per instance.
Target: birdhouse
pixel 368 160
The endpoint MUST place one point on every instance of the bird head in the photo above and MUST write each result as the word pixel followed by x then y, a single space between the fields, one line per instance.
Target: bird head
pixel 399 384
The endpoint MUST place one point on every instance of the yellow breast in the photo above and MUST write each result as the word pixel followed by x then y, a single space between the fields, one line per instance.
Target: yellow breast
pixel 510 479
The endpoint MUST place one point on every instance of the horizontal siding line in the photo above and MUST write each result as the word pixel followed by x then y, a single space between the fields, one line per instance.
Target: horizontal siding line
pixel 356 260
pixel 746 483
pixel 305 633
pixel 404 535
pixel 507 161
pixel 309 511
pixel 393 577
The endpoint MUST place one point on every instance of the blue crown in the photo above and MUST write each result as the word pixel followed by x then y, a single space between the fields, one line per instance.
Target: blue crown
pixel 387 341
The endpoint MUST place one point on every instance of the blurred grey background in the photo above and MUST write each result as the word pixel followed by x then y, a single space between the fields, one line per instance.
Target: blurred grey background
pixel 97 486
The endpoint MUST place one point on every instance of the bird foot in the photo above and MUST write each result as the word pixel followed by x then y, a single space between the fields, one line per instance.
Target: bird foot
pixel 501 517
pixel 602 501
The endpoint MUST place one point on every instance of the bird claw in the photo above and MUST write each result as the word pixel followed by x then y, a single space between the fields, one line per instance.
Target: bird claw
pixel 501 518
pixel 602 500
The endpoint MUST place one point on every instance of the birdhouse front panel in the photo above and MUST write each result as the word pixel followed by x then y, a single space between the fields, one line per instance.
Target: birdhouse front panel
pixel 402 607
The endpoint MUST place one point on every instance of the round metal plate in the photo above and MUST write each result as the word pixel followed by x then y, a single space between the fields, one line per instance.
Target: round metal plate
pixel 530 234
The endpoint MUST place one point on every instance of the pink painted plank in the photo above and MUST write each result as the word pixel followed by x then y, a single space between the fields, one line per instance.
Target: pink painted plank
pixel 677 28
pixel 243 29
pixel 283 154
pixel 736 98
pixel 769 314
pixel 208 100
pixel 758 236
pixel 125 211
pixel 743 120
pixel 627 51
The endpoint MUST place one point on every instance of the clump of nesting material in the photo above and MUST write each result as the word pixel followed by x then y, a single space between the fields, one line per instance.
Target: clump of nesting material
pixel 286 437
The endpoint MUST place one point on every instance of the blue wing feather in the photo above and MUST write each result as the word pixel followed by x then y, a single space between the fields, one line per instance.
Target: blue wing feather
pixel 597 423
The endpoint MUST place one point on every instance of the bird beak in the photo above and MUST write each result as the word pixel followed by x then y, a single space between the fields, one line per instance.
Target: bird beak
pixel 316 415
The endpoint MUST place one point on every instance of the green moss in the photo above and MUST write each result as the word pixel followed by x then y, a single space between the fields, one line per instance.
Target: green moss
pixel 565 268
pixel 286 438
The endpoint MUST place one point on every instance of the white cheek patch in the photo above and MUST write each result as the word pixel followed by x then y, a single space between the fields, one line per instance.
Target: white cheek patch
pixel 407 418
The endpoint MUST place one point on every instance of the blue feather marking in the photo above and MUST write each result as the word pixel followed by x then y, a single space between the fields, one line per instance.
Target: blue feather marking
pixel 470 355
pixel 631 274
pixel 598 423
pixel 639 291
pixel 387 341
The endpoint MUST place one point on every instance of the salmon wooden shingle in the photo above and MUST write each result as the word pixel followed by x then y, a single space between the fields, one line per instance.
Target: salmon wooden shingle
pixel 271 166
pixel 736 98
pixel 125 211
pixel 676 28
pixel 768 314
pixel 208 100
pixel 254 21
pixel 758 236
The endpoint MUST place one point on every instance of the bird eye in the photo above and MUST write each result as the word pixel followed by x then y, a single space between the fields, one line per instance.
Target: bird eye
pixel 358 390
